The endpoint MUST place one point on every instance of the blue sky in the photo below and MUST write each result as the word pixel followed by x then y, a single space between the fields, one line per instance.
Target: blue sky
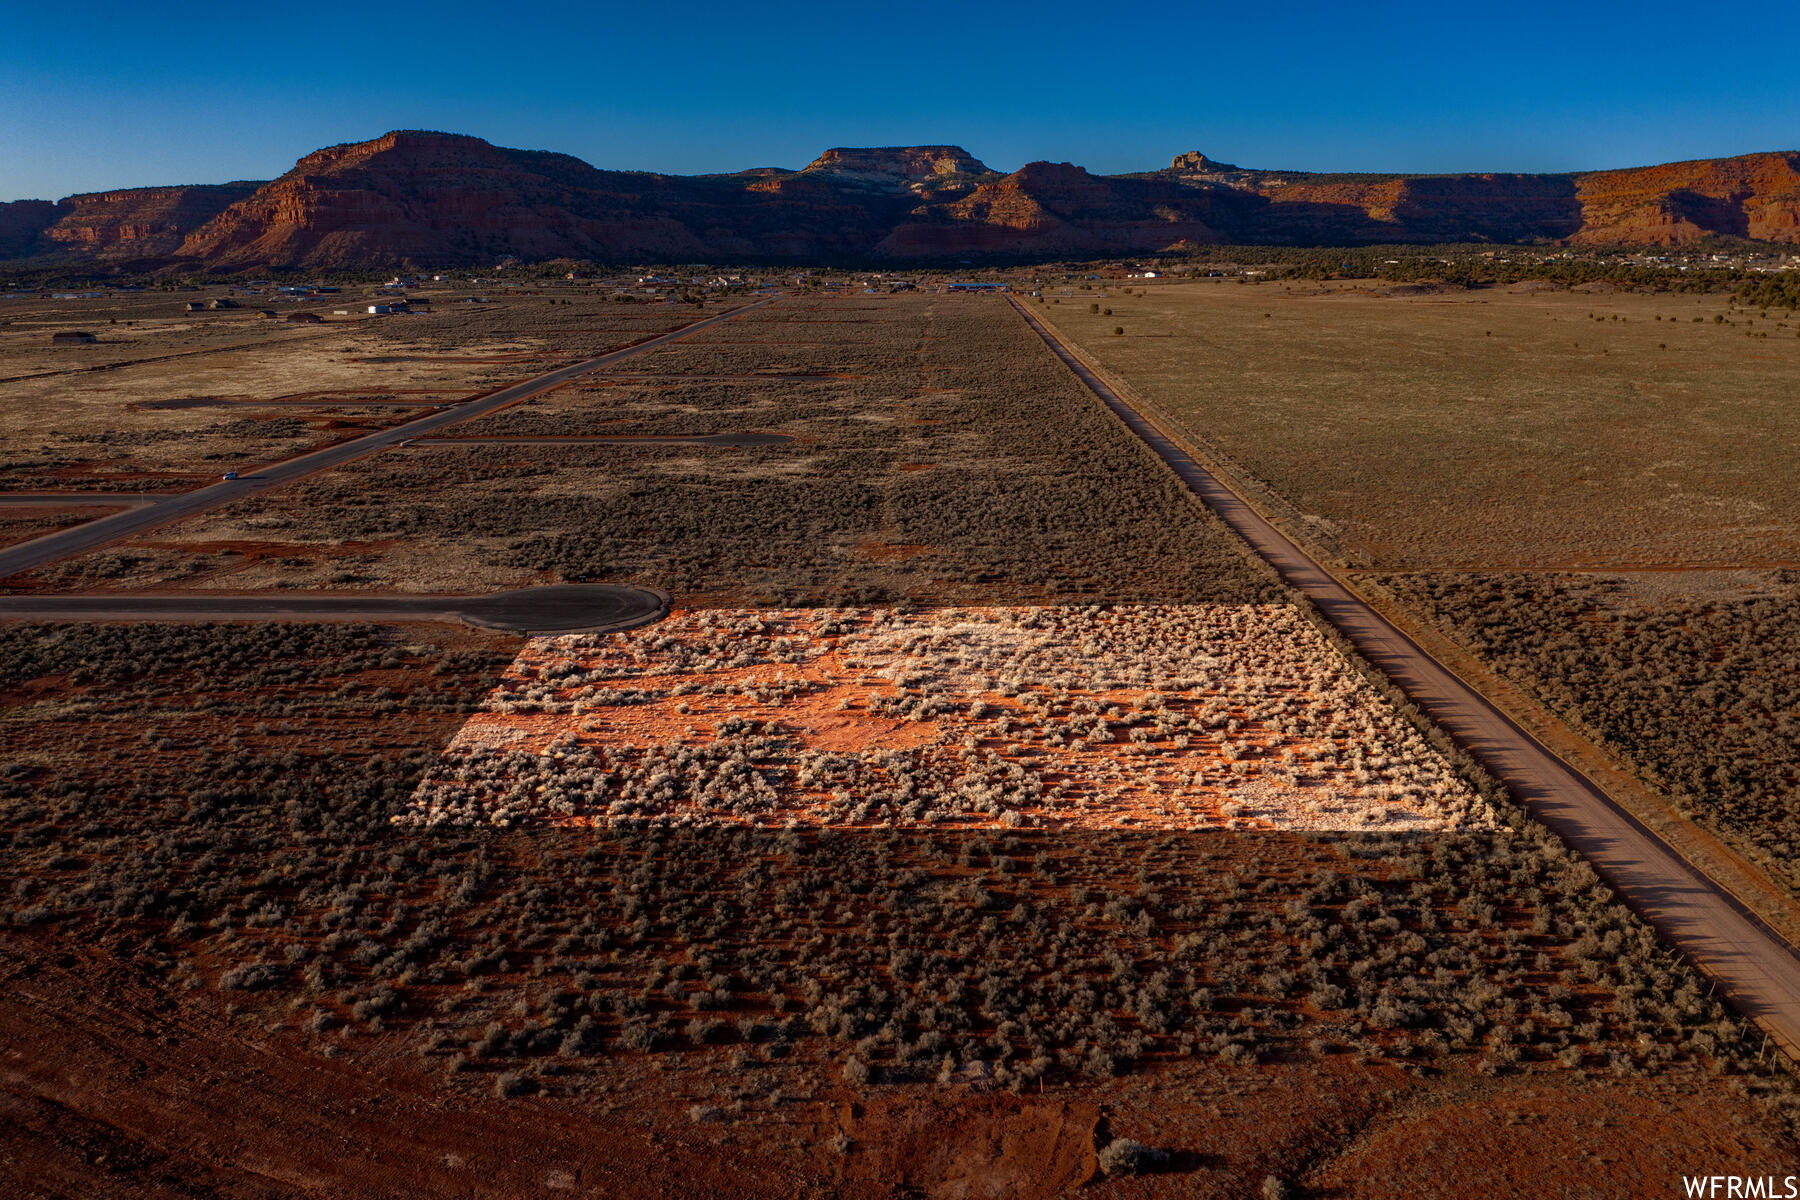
pixel 116 95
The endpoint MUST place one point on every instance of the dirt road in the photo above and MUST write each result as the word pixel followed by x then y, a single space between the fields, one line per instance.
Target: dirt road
pixel 1757 969
pixel 618 439
pixel 81 538
pixel 566 608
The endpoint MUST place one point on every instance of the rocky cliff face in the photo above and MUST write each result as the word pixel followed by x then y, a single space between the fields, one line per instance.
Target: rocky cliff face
pixel 1060 210
pixel 413 197
pixel 437 197
pixel 136 222
pixel 1753 196
pixel 911 168
pixel 440 198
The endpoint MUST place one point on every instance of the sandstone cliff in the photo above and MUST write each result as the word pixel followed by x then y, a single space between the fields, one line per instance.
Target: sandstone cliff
pixel 1060 210
pixel 411 196
pixel 901 167
pixel 137 223
pixel 419 198
pixel 1753 196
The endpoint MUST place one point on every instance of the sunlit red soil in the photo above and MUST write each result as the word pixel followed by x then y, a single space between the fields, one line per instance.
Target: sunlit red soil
pixel 1134 716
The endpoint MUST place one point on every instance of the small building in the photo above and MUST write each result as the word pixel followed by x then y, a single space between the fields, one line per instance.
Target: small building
pixel 380 310
pixel 195 306
pixel 267 314
pixel 73 337
pixel 303 318
pixel 222 302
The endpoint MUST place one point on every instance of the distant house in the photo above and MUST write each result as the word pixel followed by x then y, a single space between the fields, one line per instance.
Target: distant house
pixel 978 287
pixel 303 318
pixel 73 337
pixel 195 306
pixel 221 302
pixel 380 310
pixel 267 314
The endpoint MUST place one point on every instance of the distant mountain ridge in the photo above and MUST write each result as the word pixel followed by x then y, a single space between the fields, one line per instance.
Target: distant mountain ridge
pixel 417 198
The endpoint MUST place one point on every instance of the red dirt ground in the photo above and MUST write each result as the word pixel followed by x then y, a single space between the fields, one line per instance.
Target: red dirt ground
pixel 837 692
pixel 111 1086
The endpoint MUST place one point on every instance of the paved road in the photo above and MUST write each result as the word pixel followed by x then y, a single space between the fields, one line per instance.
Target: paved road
pixel 564 608
pixel 73 500
pixel 82 538
pixel 751 377
pixel 301 401
pixel 1755 967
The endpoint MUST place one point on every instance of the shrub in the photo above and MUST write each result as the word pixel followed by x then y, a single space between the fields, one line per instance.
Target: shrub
pixel 513 1083
pixel 1122 1156
pixel 252 976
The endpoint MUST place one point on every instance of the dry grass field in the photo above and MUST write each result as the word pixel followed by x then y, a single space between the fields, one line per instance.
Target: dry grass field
pixel 1479 429
pixel 167 399
pixel 1590 492
pixel 955 462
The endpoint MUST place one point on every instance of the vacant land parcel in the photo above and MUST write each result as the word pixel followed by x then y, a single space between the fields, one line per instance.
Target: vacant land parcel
pixel 1190 717
pixel 165 399
pixel 945 457
pixel 1480 429
pixel 1591 492
pixel 654 1000
pixel 978 783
